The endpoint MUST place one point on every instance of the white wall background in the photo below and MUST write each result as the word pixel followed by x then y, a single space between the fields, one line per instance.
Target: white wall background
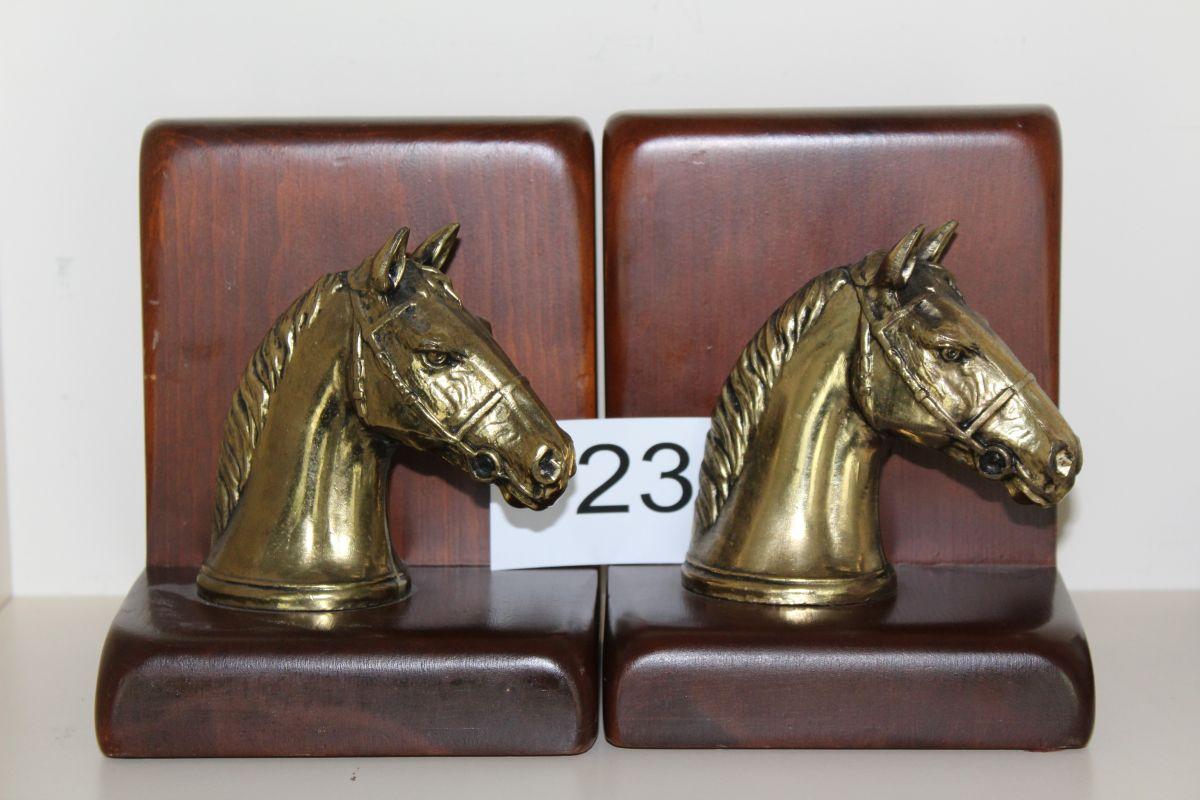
pixel 80 81
pixel 5 570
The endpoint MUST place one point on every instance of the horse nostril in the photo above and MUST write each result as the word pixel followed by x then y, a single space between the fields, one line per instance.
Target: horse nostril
pixel 1062 463
pixel 549 468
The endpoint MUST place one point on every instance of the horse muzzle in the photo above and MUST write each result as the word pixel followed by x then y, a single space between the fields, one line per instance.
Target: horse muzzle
pixel 552 467
pixel 1048 485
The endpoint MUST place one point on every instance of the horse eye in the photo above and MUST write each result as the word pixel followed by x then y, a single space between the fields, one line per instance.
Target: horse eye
pixel 437 359
pixel 951 354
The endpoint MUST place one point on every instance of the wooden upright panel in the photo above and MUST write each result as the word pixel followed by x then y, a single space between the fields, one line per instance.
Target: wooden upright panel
pixel 712 221
pixel 238 219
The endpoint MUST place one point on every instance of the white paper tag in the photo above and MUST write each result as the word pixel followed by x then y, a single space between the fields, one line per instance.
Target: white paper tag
pixel 630 501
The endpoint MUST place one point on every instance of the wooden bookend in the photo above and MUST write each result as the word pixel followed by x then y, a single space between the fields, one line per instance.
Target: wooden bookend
pixel 710 222
pixel 238 219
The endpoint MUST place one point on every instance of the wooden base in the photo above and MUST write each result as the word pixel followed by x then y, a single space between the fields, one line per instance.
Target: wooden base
pixel 473 663
pixel 963 657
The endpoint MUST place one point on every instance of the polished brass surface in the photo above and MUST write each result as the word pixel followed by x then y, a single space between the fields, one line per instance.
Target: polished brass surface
pixel 367 359
pixel 787 511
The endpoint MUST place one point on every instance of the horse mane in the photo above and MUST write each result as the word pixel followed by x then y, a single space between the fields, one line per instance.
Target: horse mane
pixel 252 399
pixel 744 396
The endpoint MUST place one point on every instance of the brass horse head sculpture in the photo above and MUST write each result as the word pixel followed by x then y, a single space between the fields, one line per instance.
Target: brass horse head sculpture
pixel 788 506
pixel 367 359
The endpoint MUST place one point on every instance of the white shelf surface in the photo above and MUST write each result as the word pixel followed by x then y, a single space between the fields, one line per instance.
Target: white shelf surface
pixel 1145 645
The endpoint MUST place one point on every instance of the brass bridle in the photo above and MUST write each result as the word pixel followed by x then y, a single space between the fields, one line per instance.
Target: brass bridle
pixel 993 460
pixel 485 463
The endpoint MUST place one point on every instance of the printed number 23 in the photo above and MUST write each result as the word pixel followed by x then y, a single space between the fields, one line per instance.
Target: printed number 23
pixel 589 506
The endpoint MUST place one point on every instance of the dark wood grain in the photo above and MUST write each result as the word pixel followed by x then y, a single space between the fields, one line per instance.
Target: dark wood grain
pixel 712 221
pixel 474 663
pixel 239 218
pixel 964 657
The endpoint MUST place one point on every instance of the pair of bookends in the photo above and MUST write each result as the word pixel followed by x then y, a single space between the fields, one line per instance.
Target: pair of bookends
pixel 789 594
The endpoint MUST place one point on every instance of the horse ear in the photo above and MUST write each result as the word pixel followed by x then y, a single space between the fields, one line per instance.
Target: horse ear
pixel 898 266
pixel 387 266
pixel 934 245
pixel 435 251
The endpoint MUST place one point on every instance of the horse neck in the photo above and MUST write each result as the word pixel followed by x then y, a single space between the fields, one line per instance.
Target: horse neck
pixel 806 503
pixel 313 506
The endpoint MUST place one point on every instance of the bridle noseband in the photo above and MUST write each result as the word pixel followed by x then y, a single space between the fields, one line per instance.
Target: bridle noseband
pixel 993 459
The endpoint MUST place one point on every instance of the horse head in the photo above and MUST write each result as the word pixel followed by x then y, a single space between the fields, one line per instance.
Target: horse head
pixel 932 370
pixel 427 373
